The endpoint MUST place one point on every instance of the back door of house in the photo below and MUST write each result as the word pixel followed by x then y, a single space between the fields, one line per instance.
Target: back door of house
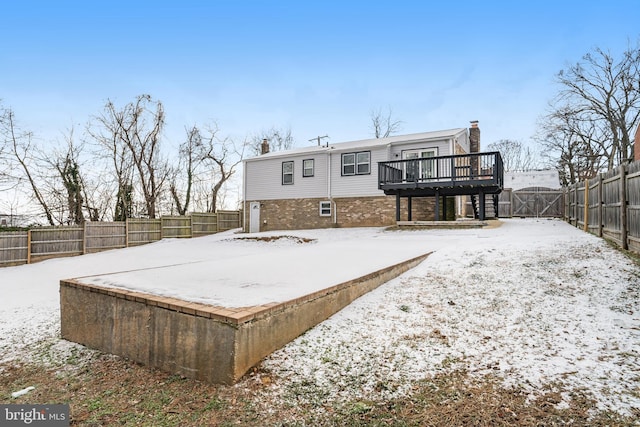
pixel 424 169
pixel 254 217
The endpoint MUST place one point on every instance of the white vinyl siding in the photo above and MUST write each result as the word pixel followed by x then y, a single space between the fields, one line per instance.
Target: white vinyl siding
pixel 443 148
pixel 263 179
pixel 264 175
pixel 357 185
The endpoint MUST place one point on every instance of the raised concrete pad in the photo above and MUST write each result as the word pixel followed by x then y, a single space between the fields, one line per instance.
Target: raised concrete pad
pixel 457 224
pixel 201 341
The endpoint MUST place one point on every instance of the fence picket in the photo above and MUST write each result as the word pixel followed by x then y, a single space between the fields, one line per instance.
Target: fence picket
pixel 613 205
pixel 40 243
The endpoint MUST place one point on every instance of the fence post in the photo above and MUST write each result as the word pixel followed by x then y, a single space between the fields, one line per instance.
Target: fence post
pixel 575 204
pixel 623 206
pixel 586 205
pixel 84 238
pixel 600 203
pixel 28 246
pixel 511 204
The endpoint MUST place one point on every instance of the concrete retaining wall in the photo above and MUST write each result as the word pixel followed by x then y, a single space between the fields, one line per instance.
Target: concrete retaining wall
pixel 204 342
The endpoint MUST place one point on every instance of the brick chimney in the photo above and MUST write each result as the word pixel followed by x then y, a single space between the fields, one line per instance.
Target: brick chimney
pixel 474 137
pixel 264 147
pixel 636 145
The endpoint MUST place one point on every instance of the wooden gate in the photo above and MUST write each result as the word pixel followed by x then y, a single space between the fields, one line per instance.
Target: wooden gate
pixel 537 202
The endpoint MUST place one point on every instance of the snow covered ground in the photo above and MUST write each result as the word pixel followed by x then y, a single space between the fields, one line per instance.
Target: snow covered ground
pixel 536 302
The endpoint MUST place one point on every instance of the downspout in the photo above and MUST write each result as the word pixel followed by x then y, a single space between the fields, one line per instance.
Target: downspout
pixel 332 203
pixel 244 196
pixel 384 195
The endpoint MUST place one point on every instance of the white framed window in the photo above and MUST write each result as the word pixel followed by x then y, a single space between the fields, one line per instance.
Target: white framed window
pixel 287 173
pixel 356 163
pixel 349 164
pixel 307 168
pixel 363 163
pixel 325 208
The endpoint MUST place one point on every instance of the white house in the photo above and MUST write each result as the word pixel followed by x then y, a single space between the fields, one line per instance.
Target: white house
pixel 336 185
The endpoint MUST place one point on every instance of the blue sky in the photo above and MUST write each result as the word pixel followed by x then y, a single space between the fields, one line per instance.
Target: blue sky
pixel 318 67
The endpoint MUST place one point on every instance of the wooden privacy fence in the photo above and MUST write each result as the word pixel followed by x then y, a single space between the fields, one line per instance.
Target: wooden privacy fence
pixel 608 205
pixel 23 247
pixel 531 202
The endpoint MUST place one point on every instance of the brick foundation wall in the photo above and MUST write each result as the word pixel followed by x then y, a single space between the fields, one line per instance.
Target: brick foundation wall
pixel 290 214
pixel 296 214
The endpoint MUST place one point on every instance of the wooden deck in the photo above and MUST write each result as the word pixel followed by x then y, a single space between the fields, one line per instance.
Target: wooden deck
pixel 474 175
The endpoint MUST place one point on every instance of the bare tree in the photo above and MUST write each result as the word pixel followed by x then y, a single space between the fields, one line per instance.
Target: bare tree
pixel 573 146
pixel 68 168
pixel 132 136
pixel 384 125
pixel 4 154
pixel 220 157
pixel 189 154
pixel 279 139
pixel 21 149
pixel 83 179
pixel 97 196
pixel 515 155
pixel 602 93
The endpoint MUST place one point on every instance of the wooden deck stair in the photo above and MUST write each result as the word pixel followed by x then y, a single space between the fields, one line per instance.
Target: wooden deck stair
pixel 476 208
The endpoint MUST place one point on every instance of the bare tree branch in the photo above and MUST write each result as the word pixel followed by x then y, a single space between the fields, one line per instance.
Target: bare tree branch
pixel 189 162
pixel 604 93
pixel 383 125
pixel 279 139
pixel 68 168
pixel 221 157
pixel 20 145
pixel 515 156
pixel 132 136
pixel 573 144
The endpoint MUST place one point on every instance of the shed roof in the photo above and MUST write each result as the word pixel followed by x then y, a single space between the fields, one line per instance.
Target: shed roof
pixel 517 180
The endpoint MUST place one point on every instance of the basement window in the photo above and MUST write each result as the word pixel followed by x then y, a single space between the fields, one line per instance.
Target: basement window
pixel 325 208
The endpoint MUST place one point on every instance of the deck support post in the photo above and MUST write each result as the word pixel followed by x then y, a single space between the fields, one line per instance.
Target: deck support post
pixel 397 207
pixel 437 208
pixel 481 206
pixel 444 208
pixel 409 208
